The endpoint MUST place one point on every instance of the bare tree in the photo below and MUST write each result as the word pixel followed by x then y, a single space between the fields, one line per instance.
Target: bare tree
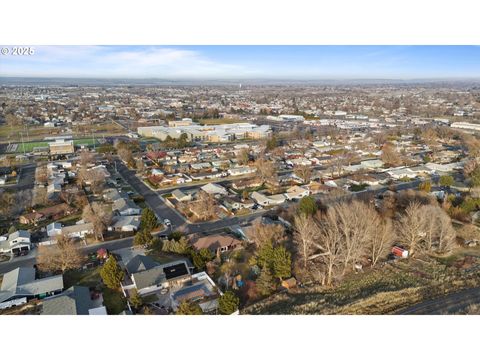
pixel 40 196
pixel 265 169
pixel 304 172
pixel 41 175
pixel 96 179
pixel 100 216
pixel 330 246
pixel 62 256
pixel 410 227
pixel 390 156
pixel 204 206
pixel 261 233
pixel 306 232
pixel 381 240
pixel 86 157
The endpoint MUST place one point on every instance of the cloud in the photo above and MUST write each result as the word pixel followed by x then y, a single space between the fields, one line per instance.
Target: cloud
pixel 110 61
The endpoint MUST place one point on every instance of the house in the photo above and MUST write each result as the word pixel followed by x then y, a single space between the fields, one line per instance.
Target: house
pixel 214 189
pixel 31 218
pixel 125 207
pixel 200 290
pixel 181 196
pixel 126 223
pixel 247 183
pixel 54 229
pixel 241 170
pixel 76 300
pixel 297 192
pixel 77 230
pixel 216 242
pixel 16 243
pixel 236 203
pixel 147 276
pixel 21 283
pixel 401 172
pixel 265 200
pixel 111 195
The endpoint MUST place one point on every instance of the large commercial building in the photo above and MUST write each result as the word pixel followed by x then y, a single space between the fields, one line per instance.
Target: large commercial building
pixel 214 133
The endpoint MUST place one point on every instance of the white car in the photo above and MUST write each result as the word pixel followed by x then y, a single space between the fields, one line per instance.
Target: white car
pixel 167 222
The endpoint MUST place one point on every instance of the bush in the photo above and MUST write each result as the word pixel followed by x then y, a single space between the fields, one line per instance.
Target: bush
pixel 228 303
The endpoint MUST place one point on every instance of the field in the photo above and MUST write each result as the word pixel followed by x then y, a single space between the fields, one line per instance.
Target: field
pixel 29 146
pixel 384 290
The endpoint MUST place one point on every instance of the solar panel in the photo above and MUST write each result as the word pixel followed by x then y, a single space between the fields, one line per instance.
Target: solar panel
pixel 175 271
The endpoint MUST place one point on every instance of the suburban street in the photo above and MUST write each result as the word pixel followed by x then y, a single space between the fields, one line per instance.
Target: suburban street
pixel 448 304
pixel 26 178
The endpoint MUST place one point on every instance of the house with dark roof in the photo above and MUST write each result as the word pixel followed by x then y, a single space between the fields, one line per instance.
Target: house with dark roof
pixel 147 276
pixel 22 283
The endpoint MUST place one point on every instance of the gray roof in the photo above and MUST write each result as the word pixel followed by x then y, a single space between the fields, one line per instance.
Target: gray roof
pixel 140 263
pixel 21 282
pixel 19 233
pixel 157 275
pixel 123 204
pixel 151 277
pixel 73 301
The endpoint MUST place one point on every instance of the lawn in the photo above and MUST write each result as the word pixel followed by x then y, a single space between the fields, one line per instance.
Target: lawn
pixel 114 301
pixel 88 278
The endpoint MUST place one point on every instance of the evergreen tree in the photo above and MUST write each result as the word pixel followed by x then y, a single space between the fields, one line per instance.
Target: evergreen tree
pixel 446 180
pixel 281 263
pixel 265 282
pixel 308 206
pixel 265 255
pixel 228 303
pixel 143 238
pixel 135 299
pixel 111 273
pixel 149 220
pixel 189 308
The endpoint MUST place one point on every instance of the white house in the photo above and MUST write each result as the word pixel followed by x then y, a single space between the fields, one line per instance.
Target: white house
pixel 126 223
pixel 296 192
pixel 16 242
pixel 241 170
pixel 125 207
pixel 54 229
pixel 181 196
pixel 77 230
pixel 214 189
pixel 265 200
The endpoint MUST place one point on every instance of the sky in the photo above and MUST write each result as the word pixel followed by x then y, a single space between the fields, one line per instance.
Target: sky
pixel 246 62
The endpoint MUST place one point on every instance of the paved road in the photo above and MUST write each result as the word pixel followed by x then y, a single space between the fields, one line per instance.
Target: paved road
pixel 26 178
pixel 448 304
pixel 153 200
pixel 30 259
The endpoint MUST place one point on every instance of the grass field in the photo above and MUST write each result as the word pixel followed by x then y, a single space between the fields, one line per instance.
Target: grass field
pixel 29 146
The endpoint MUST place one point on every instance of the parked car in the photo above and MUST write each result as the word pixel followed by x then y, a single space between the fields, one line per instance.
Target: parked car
pixel 167 222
